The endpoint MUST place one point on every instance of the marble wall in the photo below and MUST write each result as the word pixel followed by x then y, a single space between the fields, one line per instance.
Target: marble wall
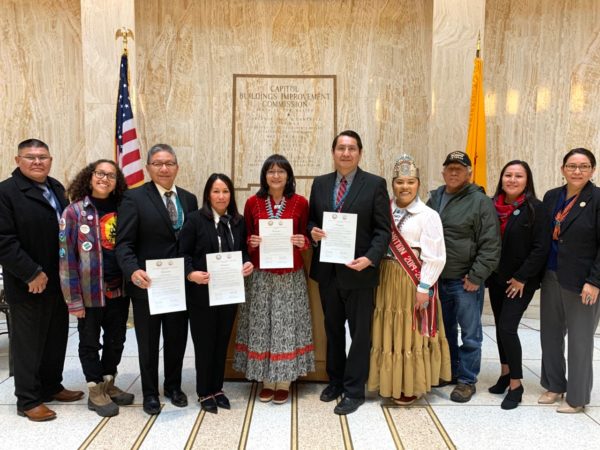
pixel 188 52
pixel 542 80
pixel 41 81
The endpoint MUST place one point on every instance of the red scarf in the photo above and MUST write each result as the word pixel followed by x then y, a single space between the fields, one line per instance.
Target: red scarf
pixel 505 210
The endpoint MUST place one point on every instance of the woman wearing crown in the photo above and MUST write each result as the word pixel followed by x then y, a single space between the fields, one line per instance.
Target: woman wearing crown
pixel 409 350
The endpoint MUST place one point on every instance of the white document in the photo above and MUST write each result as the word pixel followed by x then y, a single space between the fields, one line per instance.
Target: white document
pixel 276 250
pixel 167 290
pixel 226 284
pixel 338 246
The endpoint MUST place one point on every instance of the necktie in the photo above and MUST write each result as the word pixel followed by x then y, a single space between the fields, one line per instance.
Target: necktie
pixel 171 209
pixel 226 239
pixel 340 193
pixel 50 199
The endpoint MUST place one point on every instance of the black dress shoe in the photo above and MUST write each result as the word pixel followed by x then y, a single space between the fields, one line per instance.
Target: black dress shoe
pixel 208 404
pixel 222 401
pixel 513 398
pixel 348 405
pixel 331 392
pixel 501 385
pixel 178 398
pixel 151 405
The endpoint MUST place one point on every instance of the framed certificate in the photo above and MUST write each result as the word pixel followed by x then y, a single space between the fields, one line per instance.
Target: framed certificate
pixel 167 288
pixel 339 244
pixel 276 250
pixel 226 284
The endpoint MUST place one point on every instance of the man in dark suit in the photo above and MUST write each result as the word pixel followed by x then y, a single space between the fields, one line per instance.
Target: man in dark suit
pixel 30 206
pixel 149 220
pixel 347 290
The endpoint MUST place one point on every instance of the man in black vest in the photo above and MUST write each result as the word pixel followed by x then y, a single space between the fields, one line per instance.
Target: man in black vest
pixel 30 206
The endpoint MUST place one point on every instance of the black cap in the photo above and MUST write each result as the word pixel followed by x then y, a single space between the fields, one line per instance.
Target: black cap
pixel 458 157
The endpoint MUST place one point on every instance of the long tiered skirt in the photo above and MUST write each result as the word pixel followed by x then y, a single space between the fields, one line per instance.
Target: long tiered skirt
pixel 274 335
pixel 403 361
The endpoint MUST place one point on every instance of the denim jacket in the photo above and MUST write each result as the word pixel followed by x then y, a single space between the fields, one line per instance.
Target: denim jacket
pixel 80 251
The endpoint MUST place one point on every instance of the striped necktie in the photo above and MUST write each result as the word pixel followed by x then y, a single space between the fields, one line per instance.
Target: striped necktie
pixel 340 193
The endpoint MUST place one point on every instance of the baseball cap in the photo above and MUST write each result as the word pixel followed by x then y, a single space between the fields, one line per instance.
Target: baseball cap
pixel 458 157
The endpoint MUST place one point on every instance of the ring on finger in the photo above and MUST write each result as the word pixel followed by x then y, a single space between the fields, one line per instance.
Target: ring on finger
pixel 588 298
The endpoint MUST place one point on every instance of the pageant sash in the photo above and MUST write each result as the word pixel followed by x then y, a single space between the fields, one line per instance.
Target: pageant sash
pixel 412 266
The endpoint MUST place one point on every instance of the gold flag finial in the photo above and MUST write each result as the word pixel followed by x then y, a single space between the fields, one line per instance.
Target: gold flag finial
pixel 125 33
pixel 478 44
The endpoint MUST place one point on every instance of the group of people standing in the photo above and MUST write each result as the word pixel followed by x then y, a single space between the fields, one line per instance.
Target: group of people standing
pixel 418 276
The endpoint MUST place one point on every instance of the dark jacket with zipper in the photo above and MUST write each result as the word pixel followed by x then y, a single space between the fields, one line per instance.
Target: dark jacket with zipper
pixel 471 233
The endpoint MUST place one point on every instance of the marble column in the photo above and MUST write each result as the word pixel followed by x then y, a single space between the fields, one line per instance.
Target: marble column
pixel 101 56
pixel 456 24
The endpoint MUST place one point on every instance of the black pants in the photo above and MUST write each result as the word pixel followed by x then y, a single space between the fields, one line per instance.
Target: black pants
pixel 112 319
pixel 356 306
pixel 211 329
pixel 147 331
pixel 507 315
pixel 40 328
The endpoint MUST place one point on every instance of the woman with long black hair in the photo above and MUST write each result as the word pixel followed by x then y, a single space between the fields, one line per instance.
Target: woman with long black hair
pixel 524 227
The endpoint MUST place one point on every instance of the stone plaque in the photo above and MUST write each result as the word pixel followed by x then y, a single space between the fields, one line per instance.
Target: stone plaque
pixel 291 115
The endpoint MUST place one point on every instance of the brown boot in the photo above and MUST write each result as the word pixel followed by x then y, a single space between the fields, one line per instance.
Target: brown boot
pixel 118 396
pixel 99 401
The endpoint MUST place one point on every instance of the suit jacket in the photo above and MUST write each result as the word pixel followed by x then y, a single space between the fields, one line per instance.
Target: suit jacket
pixel 525 246
pixel 579 239
pixel 368 198
pixel 28 235
pixel 199 237
pixel 144 230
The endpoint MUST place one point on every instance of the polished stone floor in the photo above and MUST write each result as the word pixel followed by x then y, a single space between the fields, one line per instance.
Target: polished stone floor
pixel 305 422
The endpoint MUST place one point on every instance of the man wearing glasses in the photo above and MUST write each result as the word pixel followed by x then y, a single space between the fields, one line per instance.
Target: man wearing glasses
pixel 30 206
pixel 150 218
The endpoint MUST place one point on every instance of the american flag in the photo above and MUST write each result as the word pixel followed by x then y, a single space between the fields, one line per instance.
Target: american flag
pixel 127 146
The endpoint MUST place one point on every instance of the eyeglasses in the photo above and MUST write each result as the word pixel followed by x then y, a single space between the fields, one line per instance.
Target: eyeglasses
pixel 582 167
pixel 273 173
pixel 32 158
pixel 168 165
pixel 349 149
pixel 101 175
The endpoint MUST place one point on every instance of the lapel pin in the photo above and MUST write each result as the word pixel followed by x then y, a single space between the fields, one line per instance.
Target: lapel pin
pixel 582 204
pixel 517 212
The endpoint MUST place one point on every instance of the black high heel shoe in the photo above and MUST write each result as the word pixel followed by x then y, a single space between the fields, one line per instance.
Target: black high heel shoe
pixel 501 385
pixel 513 398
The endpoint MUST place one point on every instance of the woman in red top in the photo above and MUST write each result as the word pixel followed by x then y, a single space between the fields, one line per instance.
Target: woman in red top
pixel 274 337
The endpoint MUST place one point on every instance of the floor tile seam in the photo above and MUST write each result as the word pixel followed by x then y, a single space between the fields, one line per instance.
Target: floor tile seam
pixel 94 433
pixel 146 429
pixel 392 427
pixel 195 429
pixel 345 429
pixel 441 429
pixel 245 432
pixel 294 433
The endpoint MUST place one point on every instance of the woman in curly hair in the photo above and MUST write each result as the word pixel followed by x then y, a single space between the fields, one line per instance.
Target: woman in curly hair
pixel 92 282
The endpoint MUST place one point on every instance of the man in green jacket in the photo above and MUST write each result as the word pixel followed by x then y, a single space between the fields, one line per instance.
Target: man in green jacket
pixel 472 237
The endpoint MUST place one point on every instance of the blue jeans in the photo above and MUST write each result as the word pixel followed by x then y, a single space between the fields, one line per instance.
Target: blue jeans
pixel 463 308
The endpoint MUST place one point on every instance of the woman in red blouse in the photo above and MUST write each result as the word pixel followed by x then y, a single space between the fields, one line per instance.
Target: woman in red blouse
pixel 274 337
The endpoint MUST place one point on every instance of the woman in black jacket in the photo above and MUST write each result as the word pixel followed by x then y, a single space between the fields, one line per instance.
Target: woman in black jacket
pixel 524 226
pixel 216 227
pixel 569 301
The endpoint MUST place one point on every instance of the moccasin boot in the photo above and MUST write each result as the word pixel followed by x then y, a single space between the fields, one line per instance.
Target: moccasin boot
pixel 99 401
pixel 118 396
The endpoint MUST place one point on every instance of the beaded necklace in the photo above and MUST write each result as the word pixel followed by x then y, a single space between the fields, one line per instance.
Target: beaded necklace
pixel 270 209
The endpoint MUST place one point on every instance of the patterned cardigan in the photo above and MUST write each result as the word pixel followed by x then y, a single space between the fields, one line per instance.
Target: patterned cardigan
pixel 80 251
